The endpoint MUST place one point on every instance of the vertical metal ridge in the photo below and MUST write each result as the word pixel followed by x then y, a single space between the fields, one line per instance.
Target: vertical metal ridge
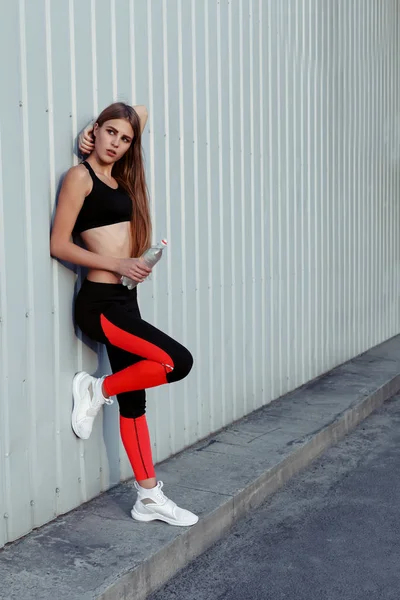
pixel 351 199
pixel 270 279
pixel 114 51
pixel 4 387
pixel 182 207
pixel 389 214
pixel 296 237
pixel 243 408
pixel 390 244
pixel 171 411
pixel 314 53
pixel 397 156
pixel 345 182
pixel 232 207
pixel 379 188
pixel 221 212
pixel 308 202
pixel 345 203
pixel 151 110
pixel 94 56
pixel 132 50
pixel 252 209
pixel 30 309
pixel 320 198
pixel 371 105
pixel 351 177
pixel 323 200
pixel 82 470
pixel 339 153
pixel 278 280
pixel 364 200
pixel 382 189
pixel 196 230
pixel 356 211
pixel 302 179
pixel 209 217
pixel 370 130
pixel 288 369
pixel 383 230
pixel 375 167
pixel 72 63
pixel 262 200
pixel 396 150
pixel 360 194
pixel 55 303
pixel 336 185
pixel 394 71
pixel 326 167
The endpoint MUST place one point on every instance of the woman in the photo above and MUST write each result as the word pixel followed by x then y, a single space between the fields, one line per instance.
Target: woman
pixel 104 200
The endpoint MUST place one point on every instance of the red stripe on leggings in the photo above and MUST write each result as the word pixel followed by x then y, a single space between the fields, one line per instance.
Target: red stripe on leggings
pixel 136 440
pixel 144 374
pixel 132 343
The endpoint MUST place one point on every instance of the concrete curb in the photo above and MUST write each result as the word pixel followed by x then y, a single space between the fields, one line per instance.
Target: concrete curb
pixel 150 575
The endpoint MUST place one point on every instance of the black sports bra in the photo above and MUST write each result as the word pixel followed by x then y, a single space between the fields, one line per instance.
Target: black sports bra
pixel 103 206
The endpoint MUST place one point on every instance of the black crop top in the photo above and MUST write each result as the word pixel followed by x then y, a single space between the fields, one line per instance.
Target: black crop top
pixel 103 206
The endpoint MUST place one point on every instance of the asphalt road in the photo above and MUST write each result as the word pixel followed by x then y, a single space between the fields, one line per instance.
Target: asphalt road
pixel 331 534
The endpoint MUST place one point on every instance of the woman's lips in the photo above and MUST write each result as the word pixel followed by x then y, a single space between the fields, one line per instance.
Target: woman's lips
pixel 111 153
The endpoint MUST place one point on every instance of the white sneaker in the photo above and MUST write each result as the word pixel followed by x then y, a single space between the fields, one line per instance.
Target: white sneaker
pixel 153 504
pixel 88 399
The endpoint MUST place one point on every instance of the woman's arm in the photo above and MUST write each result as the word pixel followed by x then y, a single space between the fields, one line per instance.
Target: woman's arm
pixel 75 187
pixel 143 116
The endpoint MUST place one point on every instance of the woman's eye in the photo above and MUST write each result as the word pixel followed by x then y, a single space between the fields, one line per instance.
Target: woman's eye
pixel 110 131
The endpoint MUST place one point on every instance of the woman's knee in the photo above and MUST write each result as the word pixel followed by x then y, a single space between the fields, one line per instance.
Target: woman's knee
pixel 183 364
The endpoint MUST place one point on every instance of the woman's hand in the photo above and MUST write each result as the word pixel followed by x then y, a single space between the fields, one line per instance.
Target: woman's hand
pixel 86 140
pixel 134 268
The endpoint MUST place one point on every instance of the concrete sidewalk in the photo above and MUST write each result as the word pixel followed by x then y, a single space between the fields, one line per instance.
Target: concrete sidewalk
pixel 98 551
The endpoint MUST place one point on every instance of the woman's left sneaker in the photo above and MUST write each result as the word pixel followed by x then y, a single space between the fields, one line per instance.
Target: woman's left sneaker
pixel 153 504
pixel 88 399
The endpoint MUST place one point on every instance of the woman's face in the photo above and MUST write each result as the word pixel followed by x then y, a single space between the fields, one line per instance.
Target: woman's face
pixel 112 139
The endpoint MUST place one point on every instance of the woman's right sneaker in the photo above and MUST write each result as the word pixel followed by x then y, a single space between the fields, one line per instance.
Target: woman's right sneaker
pixel 153 504
pixel 88 399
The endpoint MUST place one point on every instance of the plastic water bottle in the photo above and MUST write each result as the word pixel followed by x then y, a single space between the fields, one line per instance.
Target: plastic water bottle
pixel 150 258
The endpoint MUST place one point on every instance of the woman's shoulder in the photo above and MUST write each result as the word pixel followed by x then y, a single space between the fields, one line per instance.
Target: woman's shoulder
pixel 79 177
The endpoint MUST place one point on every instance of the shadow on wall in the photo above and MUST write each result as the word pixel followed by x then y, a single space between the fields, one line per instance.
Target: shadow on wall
pixel 110 419
pixel 81 272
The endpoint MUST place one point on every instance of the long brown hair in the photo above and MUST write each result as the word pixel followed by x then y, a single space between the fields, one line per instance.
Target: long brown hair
pixel 129 172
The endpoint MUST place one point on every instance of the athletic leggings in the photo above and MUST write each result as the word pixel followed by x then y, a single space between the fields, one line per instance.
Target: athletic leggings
pixel 141 356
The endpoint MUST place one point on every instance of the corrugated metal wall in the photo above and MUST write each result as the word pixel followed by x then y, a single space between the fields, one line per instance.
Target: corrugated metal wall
pixel 273 150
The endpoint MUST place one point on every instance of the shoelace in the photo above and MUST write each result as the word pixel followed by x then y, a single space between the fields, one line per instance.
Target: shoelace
pixel 158 494
pixel 96 402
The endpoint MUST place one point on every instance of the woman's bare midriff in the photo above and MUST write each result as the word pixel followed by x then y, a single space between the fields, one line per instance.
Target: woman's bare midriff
pixel 109 240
